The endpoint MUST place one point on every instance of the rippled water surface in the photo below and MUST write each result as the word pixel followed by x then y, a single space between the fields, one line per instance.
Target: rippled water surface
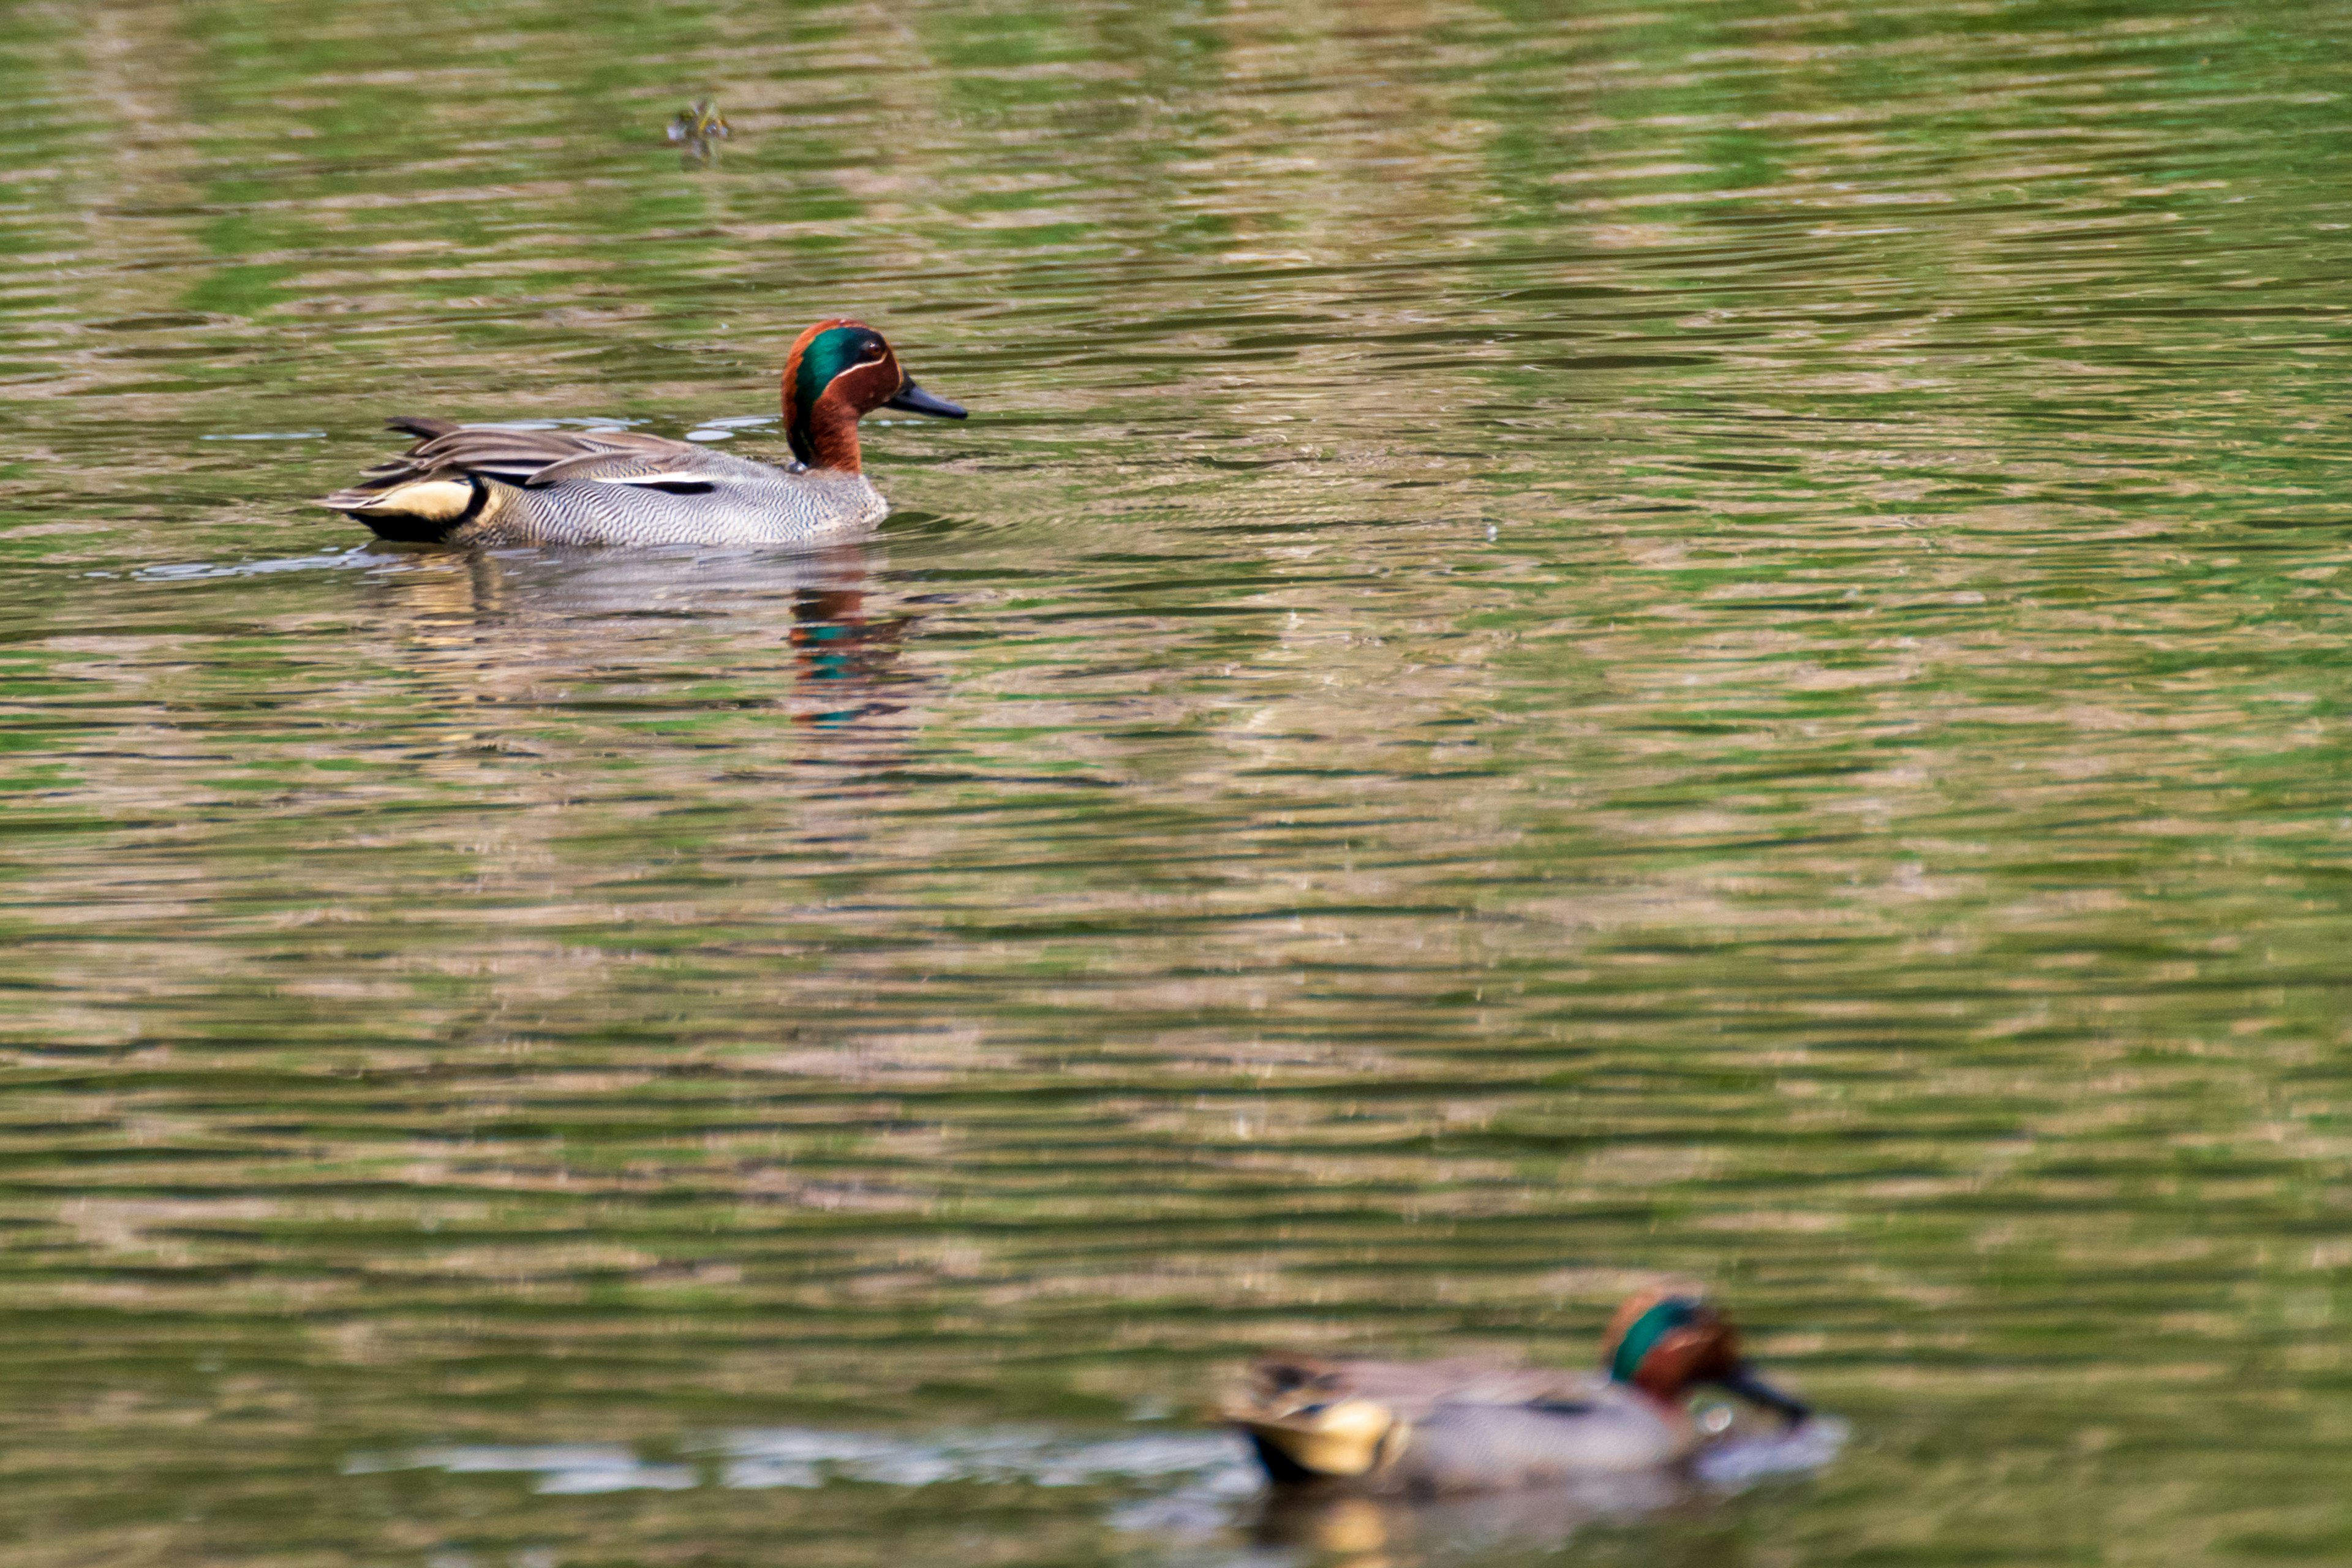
pixel 1565 642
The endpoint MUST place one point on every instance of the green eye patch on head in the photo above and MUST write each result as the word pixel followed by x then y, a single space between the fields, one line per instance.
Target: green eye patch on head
pixel 1673 1312
pixel 831 352
pixel 828 354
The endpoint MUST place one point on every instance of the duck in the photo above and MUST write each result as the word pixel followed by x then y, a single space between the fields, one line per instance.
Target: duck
pixel 495 487
pixel 698 131
pixel 1450 1428
pixel 701 121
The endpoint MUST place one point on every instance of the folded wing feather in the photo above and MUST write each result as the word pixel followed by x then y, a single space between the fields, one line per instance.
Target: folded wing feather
pixel 1412 1389
pixel 532 459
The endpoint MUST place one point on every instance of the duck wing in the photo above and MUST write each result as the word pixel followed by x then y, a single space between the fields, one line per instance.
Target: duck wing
pixel 439 484
pixel 450 453
pixel 1423 1386
pixel 1412 1389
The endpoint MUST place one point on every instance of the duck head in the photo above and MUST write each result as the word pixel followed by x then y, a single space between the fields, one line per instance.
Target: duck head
pixel 838 372
pixel 1666 1342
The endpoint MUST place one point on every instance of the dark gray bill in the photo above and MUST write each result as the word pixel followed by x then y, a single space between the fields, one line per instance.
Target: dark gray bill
pixel 1743 1382
pixel 915 400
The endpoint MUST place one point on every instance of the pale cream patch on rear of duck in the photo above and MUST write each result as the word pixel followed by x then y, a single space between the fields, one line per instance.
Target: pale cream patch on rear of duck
pixel 433 500
pixel 1347 1437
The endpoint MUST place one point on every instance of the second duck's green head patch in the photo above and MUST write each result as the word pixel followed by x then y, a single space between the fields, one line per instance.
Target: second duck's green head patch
pixel 1642 1336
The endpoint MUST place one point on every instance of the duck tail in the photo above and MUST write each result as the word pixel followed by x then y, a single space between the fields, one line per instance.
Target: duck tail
pixel 1272 1450
pixel 1305 1427
pixel 422 428
pixel 418 508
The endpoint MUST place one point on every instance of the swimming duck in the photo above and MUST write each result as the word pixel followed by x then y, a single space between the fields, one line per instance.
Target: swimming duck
pixel 1447 1427
pixel 698 131
pixel 701 121
pixel 488 486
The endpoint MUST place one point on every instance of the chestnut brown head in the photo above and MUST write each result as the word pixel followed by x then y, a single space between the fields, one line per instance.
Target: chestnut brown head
pixel 838 372
pixel 1667 1343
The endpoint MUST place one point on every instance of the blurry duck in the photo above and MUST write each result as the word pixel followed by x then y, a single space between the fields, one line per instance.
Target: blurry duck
pixel 698 131
pixel 701 121
pixel 488 486
pixel 1446 1427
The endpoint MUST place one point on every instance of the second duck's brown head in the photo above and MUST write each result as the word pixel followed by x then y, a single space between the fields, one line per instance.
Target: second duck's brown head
pixel 838 372
pixel 1666 1342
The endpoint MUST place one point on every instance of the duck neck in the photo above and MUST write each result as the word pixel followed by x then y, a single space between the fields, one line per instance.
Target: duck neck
pixel 1665 1403
pixel 827 435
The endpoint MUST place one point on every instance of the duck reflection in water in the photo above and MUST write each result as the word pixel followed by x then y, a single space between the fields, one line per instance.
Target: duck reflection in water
pixel 838 642
pixel 506 625
pixel 1394 1533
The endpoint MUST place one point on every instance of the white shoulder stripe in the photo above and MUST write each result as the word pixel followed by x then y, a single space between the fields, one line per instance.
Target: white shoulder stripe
pixel 676 476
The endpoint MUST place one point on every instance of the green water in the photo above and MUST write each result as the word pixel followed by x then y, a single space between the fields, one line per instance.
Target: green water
pixel 1703 640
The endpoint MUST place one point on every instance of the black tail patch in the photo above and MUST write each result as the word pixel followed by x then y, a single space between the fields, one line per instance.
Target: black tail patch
pixel 416 426
pixel 410 530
